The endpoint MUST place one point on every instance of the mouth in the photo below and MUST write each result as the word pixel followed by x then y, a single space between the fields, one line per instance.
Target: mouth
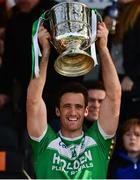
pixel 72 119
pixel 93 109
pixel 132 143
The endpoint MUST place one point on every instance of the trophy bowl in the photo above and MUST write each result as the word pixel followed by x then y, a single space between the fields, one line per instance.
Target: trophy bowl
pixel 71 36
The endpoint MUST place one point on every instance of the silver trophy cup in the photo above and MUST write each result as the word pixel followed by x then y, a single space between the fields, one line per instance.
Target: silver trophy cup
pixel 70 27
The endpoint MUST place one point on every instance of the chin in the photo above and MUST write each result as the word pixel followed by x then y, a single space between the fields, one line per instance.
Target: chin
pixel 92 119
pixel 73 128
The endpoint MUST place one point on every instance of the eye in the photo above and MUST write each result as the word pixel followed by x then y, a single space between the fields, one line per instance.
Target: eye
pixel 79 106
pixel 100 100
pixel 66 106
pixel 137 134
pixel 127 134
pixel 91 100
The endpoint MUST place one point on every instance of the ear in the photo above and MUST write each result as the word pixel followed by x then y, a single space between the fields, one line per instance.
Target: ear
pixel 86 112
pixel 57 111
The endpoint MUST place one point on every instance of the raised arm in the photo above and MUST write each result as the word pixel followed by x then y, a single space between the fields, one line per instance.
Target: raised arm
pixel 36 108
pixel 110 108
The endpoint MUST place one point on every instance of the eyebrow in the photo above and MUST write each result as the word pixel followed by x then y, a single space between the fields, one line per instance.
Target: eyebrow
pixel 99 99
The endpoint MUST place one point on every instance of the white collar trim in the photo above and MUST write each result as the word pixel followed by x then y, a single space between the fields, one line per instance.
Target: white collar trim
pixel 70 139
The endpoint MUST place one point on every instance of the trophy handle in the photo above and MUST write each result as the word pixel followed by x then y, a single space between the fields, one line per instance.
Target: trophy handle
pixel 47 14
pixel 93 39
pixel 99 19
pixel 98 15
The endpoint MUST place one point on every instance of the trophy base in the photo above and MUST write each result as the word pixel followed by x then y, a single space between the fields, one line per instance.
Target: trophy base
pixel 73 65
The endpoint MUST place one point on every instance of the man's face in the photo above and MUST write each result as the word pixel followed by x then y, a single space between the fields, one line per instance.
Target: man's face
pixel 72 112
pixel 95 98
pixel 26 5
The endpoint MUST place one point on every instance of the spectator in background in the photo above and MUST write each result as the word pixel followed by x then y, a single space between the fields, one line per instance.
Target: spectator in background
pixel 8 134
pixel 17 62
pixel 123 2
pixel 129 28
pixel 16 52
pixel 3 20
pixel 124 48
pixel 10 4
pixel 125 163
pixel 5 101
pixel 96 94
pixel 16 69
pixel 110 16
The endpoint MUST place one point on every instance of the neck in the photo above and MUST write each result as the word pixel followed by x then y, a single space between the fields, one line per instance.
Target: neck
pixel 71 134
pixel 134 155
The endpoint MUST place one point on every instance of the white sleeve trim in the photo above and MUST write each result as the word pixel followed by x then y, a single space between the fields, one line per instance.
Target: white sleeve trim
pixel 38 139
pixel 105 136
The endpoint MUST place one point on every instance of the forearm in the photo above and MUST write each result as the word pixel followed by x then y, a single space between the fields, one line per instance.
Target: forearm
pixel 36 84
pixel 110 108
pixel 36 109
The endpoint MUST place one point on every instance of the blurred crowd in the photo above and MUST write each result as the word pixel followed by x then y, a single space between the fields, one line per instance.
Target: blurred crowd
pixel 122 19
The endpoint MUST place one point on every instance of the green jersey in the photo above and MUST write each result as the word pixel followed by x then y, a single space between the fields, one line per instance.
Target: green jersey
pixel 85 157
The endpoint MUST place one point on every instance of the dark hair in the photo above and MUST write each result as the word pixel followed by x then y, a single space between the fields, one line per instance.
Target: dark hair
pixel 133 122
pixel 128 17
pixel 74 87
pixel 94 85
pixel 111 11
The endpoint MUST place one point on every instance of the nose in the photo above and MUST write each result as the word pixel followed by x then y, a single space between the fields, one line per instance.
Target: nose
pixel 132 136
pixel 97 103
pixel 73 111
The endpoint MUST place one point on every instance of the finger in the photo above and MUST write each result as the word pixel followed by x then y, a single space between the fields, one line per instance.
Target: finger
pixel 44 32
